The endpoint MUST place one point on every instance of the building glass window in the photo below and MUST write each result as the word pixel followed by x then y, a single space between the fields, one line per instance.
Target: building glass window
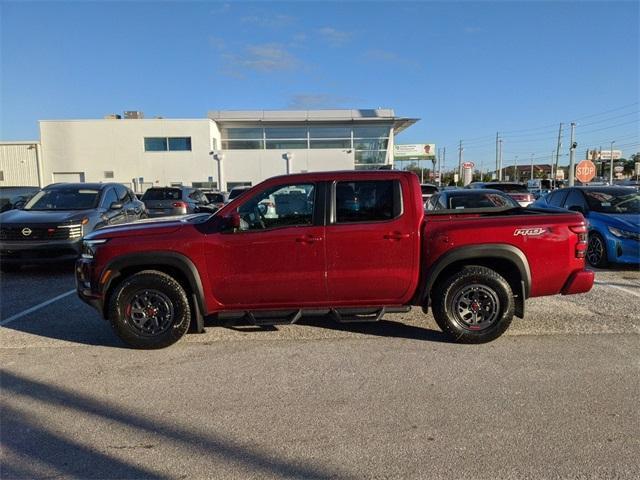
pixel 164 144
pixel 285 144
pixel 155 144
pixel 332 143
pixel 242 144
pixel 371 132
pixel 288 133
pixel 330 132
pixel 242 133
pixel 179 144
pixel 242 139
pixel 370 144
pixel 330 137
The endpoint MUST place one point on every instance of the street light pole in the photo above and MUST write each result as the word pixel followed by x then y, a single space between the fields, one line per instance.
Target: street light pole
pixel 515 169
pixel 611 163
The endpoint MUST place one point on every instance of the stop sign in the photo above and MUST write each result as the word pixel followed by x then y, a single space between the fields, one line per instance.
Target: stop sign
pixel 585 171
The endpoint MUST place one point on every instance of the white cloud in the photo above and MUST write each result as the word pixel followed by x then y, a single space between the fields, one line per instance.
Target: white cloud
pixel 269 21
pixel 264 58
pixel 334 37
pixel 386 56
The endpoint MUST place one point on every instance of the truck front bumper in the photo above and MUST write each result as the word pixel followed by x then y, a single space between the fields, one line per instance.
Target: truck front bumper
pixel 579 282
pixel 85 287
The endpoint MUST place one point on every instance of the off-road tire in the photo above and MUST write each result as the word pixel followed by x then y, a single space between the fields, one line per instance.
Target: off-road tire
pixel 448 289
pixel 134 286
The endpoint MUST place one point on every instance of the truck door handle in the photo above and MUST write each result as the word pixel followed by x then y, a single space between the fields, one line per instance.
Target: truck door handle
pixel 396 236
pixel 308 239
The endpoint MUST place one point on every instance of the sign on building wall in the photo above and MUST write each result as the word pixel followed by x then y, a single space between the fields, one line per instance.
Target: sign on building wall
pixel 414 151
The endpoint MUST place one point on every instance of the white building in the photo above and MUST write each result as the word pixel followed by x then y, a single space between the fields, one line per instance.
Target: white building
pixel 226 149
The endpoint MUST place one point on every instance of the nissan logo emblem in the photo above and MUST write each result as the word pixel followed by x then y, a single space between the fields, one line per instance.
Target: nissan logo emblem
pixel 26 231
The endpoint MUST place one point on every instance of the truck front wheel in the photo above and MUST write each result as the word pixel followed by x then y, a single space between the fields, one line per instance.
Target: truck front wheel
pixel 149 309
pixel 474 305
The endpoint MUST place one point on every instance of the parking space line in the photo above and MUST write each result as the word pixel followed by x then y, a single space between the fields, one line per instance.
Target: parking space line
pixel 635 294
pixel 37 307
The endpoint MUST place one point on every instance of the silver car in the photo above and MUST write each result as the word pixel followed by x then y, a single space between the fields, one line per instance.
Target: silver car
pixel 169 201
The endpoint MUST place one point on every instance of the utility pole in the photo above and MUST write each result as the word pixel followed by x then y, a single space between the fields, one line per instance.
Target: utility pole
pixel 572 155
pixel 611 163
pixel 460 149
pixel 497 158
pixel 515 169
pixel 558 146
pixel 500 160
pixel 532 155
pixel 551 165
pixel 444 155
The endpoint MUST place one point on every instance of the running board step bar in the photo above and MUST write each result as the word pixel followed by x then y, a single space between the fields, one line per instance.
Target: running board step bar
pixel 287 317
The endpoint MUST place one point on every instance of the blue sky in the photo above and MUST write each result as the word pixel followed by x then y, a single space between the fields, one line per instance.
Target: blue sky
pixel 467 69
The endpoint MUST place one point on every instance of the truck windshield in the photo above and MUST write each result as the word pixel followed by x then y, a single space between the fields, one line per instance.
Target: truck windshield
pixel 613 200
pixel 481 200
pixel 64 199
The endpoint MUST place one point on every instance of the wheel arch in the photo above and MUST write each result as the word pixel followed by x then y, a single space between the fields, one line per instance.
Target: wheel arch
pixel 174 264
pixel 507 260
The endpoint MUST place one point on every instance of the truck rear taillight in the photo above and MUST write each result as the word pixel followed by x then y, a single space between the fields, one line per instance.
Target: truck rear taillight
pixel 179 205
pixel 581 246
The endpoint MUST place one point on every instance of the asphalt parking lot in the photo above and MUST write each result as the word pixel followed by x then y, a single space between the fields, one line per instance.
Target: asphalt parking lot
pixel 555 397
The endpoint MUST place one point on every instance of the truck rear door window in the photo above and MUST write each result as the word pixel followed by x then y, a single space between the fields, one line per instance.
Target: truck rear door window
pixel 367 201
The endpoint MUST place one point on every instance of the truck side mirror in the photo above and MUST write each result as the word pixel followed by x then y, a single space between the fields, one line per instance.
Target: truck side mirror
pixel 232 221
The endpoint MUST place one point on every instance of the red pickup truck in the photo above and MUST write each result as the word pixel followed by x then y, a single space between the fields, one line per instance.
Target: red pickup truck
pixel 355 245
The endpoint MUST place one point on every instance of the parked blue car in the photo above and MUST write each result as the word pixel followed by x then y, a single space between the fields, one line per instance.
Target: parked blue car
pixel 613 215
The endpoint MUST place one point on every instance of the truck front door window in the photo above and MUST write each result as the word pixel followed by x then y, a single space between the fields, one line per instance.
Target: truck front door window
pixel 279 206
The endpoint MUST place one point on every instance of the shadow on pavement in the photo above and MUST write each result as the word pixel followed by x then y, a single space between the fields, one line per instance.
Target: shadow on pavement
pixel 382 328
pixel 31 442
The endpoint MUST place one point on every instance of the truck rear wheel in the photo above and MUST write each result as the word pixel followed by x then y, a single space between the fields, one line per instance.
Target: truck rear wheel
pixel 474 305
pixel 149 309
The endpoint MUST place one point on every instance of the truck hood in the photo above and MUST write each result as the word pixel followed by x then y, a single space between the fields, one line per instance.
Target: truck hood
pixel 625 221
pixel 152 226
pixel 31 217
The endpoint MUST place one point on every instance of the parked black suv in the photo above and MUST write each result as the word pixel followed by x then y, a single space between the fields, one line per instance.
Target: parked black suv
pixel 51 225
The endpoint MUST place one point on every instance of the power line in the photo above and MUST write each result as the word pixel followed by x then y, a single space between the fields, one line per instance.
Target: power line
pixel 610 126
pixel 606 111
pixel 610 118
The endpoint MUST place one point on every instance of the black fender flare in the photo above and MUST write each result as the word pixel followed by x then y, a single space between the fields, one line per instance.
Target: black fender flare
pixel 159 259
pixel 485 251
